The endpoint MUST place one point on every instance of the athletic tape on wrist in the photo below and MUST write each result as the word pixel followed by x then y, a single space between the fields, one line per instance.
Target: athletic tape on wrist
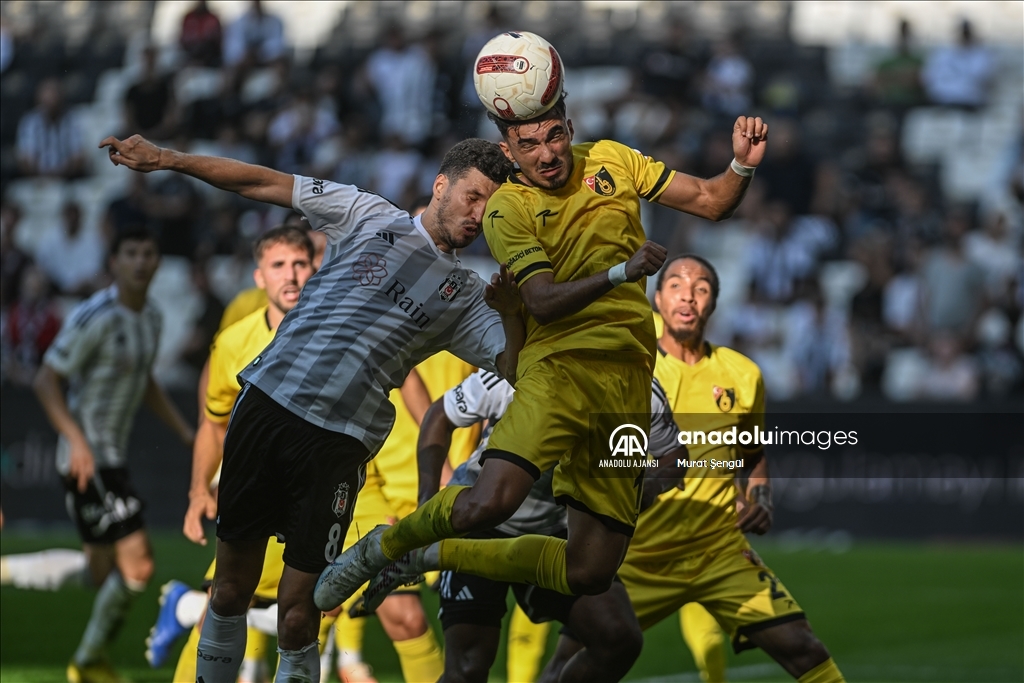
pixel 617 274
pixel 741 170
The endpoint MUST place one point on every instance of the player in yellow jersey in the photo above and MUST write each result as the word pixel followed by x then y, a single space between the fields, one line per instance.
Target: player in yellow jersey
pixel 284 258
pixel 689 546
pixel 568 228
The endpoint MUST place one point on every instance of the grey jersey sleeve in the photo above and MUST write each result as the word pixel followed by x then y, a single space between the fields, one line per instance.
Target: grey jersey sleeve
pixel 664 430
pixel 335 209
pixel 480 336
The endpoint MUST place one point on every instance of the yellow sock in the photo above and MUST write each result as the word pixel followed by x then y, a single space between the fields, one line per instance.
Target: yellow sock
pixel 826 672
pixel 420 658
pixel 533 559
pixel 326 623
pixel 255 644
pixel 185 672
pixel 706 641
pixel 348 633
pixel 430 523
pixel 526 645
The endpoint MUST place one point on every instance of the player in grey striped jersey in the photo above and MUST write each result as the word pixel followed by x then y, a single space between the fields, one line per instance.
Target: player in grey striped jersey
pixel 105 350
pixel 472 607
pixel 391 292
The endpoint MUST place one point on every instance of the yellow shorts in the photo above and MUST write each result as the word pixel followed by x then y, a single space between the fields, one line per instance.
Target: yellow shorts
pixel 564 411
pixel 373 508
pixel 273 565
pixel 729 580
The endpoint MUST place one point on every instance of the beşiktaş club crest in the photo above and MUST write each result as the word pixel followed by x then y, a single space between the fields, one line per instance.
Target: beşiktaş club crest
pixel 340 500
pixel 450 287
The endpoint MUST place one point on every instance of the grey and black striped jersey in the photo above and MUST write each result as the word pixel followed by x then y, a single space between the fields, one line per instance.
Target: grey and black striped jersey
pixel 106 352
pixel 485 396
pixel 385 299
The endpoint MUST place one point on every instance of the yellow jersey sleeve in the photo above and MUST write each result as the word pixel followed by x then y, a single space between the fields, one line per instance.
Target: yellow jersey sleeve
pixel 512 236
pixel 650 177
pixel 231 351
pixel 245 302
pixel 222 388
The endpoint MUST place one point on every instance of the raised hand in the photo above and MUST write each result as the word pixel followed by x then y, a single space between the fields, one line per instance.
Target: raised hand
pixel 646 261
pixel 503 293
pixel 136 152
pixel 749 140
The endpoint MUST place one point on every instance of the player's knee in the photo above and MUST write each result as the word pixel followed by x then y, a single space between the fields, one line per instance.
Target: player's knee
pixel 228 598
pixel 296 627
pixel 140 571
pixel 405 624
pixel 586 579
pixel 468 667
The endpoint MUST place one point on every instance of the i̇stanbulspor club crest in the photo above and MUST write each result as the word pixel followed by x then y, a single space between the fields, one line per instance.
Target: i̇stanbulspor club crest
pixel 725 399
pixel 450 287
pixel 340 500
pixel 601 183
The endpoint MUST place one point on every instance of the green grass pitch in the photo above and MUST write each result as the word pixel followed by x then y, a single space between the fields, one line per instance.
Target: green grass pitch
pixel 887 612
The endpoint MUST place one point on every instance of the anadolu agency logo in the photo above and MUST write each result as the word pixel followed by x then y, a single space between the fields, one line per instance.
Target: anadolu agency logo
pixel 628 441
pixel 627 449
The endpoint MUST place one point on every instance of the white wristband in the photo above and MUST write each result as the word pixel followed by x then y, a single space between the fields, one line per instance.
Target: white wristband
pixel 617 274
pixel 741 170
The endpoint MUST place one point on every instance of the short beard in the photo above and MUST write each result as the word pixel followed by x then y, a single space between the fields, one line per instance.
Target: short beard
pixel 687 337
pixel 444 223
pixel 553 184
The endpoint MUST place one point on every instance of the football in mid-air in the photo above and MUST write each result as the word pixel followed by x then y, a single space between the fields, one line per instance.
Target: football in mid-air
pixel 518 75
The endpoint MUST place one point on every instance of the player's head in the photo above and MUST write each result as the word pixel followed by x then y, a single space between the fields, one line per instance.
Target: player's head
pixel 542 146
pixel 470 173
pixel 686 296
pixel 134 258
pixel 284 262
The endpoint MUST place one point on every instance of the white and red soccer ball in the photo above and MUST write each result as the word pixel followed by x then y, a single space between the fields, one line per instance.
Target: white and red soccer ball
pixel 518 75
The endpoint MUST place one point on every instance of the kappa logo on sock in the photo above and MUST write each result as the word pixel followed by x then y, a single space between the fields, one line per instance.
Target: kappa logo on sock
pixel 212 658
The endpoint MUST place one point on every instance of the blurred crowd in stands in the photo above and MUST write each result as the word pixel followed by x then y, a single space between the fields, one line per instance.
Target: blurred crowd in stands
pixel 850 269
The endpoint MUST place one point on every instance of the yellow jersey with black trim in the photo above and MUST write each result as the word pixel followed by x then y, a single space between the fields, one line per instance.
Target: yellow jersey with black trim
pixel 721 391
pixel 232 350
pixel 587 226
pixel 244 303
pixel 395 464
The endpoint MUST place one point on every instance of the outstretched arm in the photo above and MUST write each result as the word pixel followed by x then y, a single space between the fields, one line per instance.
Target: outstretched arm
pixel 503 296
pixel 717 198
pixel 432 448
pixel 549 301
pixel 258 183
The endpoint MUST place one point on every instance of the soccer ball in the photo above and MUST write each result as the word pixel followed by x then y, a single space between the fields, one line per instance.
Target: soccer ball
pixel 518 75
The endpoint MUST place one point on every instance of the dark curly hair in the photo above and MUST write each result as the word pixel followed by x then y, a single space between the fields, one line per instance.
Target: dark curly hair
pixel 504 125
pixel 482 155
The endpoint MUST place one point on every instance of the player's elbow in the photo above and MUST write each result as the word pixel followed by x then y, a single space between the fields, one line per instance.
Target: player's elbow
pixel 43 382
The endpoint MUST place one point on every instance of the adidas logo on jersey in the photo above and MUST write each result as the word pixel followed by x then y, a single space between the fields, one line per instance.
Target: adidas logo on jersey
pixel 388 237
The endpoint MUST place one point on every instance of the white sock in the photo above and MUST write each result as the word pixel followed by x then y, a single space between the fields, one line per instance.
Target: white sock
pixel 263 620
pixel 299 666
pixel 48 570
pixel 221 648
pixel 252 670
pixel 350 657
pixel 327 656
pixel 109 609
pixel 190 607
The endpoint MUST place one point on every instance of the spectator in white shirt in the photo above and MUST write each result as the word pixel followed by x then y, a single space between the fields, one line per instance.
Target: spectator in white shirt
pixel 49 140
pixel 255 38
pixel 959 75
pixel 403 76
pixel 72 257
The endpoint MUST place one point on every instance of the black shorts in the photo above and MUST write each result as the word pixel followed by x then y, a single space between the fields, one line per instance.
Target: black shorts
pixel 286 477
pixel 110 508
